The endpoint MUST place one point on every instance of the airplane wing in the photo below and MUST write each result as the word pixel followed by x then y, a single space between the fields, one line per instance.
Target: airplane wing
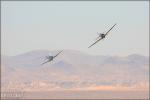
pixel 45 62
pixel 110 29
pixel 97 37
pixel 94 42
pixel 58 54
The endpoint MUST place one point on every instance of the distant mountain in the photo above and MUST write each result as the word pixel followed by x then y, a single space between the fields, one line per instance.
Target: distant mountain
pixel 73 69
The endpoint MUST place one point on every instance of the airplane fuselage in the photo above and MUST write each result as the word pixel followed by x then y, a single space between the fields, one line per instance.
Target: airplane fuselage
pixel 50 58
pixel 102 36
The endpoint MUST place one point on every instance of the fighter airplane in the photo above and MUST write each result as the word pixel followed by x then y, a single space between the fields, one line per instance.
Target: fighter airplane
pixel 102 36
pixel 50 58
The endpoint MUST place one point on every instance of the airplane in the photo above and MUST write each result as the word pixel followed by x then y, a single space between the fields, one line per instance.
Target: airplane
pixel 102 36
pixel 99 35
pixel 50 58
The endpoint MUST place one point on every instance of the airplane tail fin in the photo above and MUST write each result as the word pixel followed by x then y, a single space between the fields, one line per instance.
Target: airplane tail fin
pixel 98 33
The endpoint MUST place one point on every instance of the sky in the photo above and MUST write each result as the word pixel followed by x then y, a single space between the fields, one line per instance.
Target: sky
pixel 73 25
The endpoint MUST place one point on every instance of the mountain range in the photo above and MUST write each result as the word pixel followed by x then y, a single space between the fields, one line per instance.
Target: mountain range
pixel 74 70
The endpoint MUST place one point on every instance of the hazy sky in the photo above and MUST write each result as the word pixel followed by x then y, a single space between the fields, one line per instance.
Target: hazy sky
pixel 55 25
